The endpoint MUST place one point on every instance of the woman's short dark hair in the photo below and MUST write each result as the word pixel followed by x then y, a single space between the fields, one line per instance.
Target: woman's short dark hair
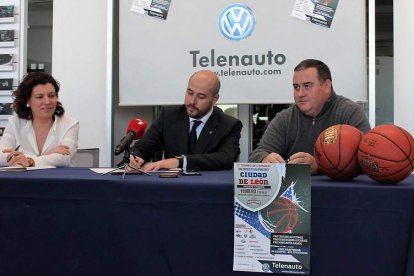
pixel 323 70
pixel 24 91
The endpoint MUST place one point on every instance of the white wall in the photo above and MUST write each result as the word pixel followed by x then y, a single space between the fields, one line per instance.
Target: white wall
pixel 79 63
pixel 403 64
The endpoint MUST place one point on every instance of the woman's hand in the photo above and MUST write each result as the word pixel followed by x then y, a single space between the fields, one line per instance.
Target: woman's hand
pixel 16 158
pixel 61 149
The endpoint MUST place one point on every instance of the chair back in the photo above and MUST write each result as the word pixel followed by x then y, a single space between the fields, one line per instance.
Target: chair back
pixel 88 158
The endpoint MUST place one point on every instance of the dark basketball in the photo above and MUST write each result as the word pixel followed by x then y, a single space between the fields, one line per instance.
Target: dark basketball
pixel 281 216
pixel 386 153
pixel 336 152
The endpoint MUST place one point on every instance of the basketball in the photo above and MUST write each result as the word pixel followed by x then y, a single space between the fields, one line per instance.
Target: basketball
pixel 386 154
pixel 336 152
pixel 281 216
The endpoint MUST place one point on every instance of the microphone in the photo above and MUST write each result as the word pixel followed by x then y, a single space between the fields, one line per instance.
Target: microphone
pixel 136 129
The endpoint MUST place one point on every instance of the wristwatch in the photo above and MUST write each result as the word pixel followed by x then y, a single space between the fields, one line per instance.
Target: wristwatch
pixel 31 161
pixel 180 159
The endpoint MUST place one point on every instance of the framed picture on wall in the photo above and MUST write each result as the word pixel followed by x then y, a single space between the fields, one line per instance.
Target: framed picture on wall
pixel 5 110
pixel 6 14
pixel 6 62
pixel 6 84
pixel 7 38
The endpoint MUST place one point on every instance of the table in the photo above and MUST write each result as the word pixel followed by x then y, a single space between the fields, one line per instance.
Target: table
pixel 71 221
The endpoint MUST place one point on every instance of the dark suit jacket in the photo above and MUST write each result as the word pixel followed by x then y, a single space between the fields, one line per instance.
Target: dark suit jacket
pixel 217 147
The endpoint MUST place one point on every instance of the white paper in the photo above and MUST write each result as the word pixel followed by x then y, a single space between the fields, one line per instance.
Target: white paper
pixel 20 168
pixel 115 170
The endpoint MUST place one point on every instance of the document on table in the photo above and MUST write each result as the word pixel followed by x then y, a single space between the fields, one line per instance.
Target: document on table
pixel 20 168
pixel 116 171
pixel 105 170
pixel 12 168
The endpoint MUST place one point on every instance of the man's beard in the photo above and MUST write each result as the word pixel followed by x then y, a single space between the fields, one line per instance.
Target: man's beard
pixel 199 114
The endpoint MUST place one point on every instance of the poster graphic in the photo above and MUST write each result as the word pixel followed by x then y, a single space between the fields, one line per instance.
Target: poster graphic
pixel 6 14
pixel 272 206
pixel 6 38
pixel 6 84
pixel 154 8
pixel 6 109
pixel 303 9
pixel 6 62
pixel 320 12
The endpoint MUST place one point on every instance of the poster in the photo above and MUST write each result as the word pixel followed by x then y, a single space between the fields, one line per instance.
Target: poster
pixel 6 62
pixel 154 8
pixel 6 84
pixel 272 209
pixel 320 12
pixel 6 14
pixel 7 38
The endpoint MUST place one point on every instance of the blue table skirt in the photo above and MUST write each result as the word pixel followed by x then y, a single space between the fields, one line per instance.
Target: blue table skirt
pixel 71 221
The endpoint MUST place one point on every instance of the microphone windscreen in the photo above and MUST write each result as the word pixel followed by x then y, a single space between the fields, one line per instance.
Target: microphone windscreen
pixel 138 127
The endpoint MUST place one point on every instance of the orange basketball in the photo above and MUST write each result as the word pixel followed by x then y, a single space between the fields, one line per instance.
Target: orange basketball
pixel 386 153
pixel 336 152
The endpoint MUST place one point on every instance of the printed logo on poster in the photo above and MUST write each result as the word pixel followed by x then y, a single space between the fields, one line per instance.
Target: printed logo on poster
pixel 266 267
pixel 237 22
pixel 257 184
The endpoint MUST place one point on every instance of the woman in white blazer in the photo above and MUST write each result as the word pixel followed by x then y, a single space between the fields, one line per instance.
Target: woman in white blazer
pixel 39 134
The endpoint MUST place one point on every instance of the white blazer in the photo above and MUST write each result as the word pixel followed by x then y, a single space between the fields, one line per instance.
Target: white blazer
pixel 65 131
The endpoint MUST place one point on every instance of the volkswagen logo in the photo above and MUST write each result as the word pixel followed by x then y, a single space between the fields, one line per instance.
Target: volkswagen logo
pixel 237 22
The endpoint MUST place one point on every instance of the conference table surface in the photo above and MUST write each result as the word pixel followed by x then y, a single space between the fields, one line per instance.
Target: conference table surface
pixel 72 221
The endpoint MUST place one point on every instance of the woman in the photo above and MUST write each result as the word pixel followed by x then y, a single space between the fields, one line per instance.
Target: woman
pixel 39 134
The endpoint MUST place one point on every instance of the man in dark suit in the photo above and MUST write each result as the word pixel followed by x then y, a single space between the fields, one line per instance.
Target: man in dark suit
pixel 213 144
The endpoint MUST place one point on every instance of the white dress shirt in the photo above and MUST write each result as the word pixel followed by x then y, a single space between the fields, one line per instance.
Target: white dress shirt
pixel 203 120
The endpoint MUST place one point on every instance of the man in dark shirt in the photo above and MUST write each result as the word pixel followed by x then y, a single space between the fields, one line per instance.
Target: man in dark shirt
pixel 292 134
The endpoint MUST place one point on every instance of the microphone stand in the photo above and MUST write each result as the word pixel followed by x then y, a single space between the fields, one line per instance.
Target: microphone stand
pixel 124 164
pixel 125 161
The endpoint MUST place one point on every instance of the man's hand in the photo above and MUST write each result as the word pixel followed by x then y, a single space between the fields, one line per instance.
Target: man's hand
pixel 170 163
pixel 304 158
pixel 273 157
pixel 135 163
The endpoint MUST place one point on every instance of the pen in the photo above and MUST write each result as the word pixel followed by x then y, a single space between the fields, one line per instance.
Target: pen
pixel 139 170
pixel 13 155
